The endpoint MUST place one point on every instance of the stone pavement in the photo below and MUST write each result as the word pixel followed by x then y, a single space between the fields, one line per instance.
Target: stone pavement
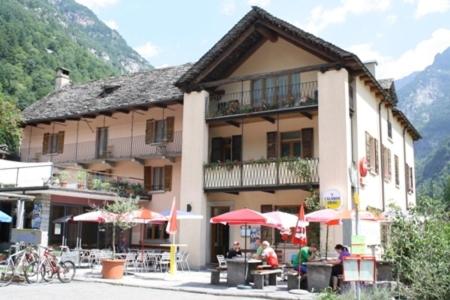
pixel 193 282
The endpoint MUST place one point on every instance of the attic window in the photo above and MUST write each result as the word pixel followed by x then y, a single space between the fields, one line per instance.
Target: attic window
pixel 107 90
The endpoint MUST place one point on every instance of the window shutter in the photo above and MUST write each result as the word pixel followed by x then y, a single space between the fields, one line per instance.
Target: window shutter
pixel 149 131
pixel 45 142
pixel 170 122
pixel 148 178
pixel 272 145
pixel 168 178
pixel 307 143
pixel 236 150
pixel 60 142
pixel 368 156
pixel 389 164
pixel 376 158
pixel 216 149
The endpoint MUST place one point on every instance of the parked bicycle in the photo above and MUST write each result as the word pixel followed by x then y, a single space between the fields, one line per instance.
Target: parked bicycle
pixel 48 266
pixel 18 264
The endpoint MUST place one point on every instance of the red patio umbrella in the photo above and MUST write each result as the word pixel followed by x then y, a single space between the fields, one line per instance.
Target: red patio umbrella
pixel 244 217
pixel 299 236
pixel 144 215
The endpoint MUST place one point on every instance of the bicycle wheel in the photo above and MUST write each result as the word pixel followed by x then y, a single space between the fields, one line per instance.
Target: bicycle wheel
pixel 33 272
pixel 66 271
pixel 6 272
pixel 46 271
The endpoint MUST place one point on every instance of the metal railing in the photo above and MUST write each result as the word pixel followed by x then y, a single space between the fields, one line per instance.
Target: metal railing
pixel 267 173
pixel 258 100
pixel 117 148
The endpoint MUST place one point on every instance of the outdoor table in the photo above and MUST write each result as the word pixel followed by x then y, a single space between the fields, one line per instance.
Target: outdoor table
pixel 319 275
pixel 236 268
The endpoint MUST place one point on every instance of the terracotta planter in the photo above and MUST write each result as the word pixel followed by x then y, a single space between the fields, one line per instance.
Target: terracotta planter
pixel 113 268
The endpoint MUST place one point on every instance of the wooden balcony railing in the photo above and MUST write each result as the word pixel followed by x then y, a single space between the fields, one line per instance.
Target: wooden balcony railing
pixel 286 97
pixel 262 174
pixel 117 148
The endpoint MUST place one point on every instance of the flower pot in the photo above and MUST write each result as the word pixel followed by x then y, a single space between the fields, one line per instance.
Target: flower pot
pixel 113 268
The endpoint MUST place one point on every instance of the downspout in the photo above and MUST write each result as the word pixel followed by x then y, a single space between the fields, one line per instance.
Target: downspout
pixel 381 155
pixel 404 165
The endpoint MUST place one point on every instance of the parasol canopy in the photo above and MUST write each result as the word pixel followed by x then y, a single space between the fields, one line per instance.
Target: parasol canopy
pixel 4 218
pixel 95 216
pixel 242 216
pixel 145 215
pixel 282 221
pixel 64 219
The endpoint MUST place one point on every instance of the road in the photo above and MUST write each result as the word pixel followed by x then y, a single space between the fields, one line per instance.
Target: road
pixel 97 291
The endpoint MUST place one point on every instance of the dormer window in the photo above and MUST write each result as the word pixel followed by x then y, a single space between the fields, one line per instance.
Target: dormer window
pixel 107 90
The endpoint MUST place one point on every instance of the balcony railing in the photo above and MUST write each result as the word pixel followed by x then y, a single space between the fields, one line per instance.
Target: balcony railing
pixel 259 100
pixel 276 174
pixel 117 148
pixel 73 179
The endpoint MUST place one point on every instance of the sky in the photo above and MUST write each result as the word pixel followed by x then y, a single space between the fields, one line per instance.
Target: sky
pixel 403 36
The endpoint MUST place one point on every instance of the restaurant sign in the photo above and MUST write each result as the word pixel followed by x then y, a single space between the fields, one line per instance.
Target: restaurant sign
pixel 332 199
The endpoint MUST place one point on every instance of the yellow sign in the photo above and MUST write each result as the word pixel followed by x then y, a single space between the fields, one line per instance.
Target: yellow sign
pixel 356 198
pixel 332 199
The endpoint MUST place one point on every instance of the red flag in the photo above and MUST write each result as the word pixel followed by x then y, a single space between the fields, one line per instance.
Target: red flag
pixel 299 236
pixel 172 224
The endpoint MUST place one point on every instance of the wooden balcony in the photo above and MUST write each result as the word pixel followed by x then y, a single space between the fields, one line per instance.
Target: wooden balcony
pixel 262 175
pixel 295 97
pixel 117 149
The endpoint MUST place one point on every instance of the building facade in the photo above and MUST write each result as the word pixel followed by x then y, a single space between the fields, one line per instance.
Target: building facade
pixel 269 117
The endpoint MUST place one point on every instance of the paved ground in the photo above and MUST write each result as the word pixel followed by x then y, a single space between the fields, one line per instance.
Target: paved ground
pixel 87 290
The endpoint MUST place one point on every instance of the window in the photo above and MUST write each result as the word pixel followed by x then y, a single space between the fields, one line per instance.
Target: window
pixel 156 232
pixel 101 146
pixel 389 128
pixel 397 174
pixel 290 144
pixel 272 90
pixel 372 153
pixel 159 131
pixel 409 178
pixel 158 179
pixel 385 229
pixel 53 143
pixel 387 165
pixel 226 148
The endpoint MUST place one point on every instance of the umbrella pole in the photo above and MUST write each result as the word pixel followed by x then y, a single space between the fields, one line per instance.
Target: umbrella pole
pixel 245 253
pixel 142 242
pixel 326 244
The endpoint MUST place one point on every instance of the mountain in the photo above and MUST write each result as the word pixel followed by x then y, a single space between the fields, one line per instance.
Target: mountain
pixel 37 36
pixel 425 99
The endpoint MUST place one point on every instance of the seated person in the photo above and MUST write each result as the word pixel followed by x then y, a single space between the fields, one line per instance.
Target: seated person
pixel 305 255
pixel 269 255
pixel 235 251
pixel 259 248
pixel 338 269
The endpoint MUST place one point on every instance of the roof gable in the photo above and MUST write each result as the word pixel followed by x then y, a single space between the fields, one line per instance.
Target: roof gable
pixel 246 36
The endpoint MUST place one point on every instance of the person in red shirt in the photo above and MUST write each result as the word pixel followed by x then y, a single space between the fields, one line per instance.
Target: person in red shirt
pixel 269 255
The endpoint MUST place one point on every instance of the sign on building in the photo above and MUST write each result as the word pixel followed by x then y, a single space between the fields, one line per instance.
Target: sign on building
pixel 332 199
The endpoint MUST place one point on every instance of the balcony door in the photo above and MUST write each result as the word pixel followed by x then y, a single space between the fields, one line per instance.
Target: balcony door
pixel 220 234
pixel 101 144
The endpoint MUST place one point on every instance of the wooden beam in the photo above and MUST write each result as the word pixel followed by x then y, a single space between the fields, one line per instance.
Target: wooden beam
pixel 307 114
pixel 123 110
pixel 268 119
pixel 318 67
pixel 267 33
pixel 234 123
pixel 225 53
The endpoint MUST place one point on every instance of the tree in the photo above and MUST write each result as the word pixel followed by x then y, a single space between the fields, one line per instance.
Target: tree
pixel 10 119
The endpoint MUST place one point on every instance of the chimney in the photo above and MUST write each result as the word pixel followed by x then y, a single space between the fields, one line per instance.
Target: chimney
pixel 62 78
pixel 371 65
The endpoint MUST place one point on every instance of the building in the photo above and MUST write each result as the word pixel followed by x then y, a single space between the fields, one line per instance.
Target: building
pixel 270 116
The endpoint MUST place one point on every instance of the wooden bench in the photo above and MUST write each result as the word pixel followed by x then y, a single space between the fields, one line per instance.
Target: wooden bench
pixel 258 277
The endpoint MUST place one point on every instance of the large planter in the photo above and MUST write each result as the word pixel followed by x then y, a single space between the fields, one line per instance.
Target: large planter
pixel 113 268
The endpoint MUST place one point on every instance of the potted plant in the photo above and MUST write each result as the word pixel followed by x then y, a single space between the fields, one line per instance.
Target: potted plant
pixel 81 178
pixel 119 210
pixel 63 177
pixel 97 184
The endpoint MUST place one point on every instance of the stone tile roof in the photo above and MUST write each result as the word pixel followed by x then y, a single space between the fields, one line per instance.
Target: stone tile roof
pixel 134 90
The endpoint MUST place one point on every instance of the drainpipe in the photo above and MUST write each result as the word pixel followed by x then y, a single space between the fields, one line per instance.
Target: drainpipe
pixel 404 164
pixel 381 154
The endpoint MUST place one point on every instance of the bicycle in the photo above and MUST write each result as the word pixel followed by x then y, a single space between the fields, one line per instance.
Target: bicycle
pixel 49 266
pixel 17 264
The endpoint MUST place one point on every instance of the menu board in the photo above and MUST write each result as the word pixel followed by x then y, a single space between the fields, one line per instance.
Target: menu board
pixel 366 270
pixel 351 270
